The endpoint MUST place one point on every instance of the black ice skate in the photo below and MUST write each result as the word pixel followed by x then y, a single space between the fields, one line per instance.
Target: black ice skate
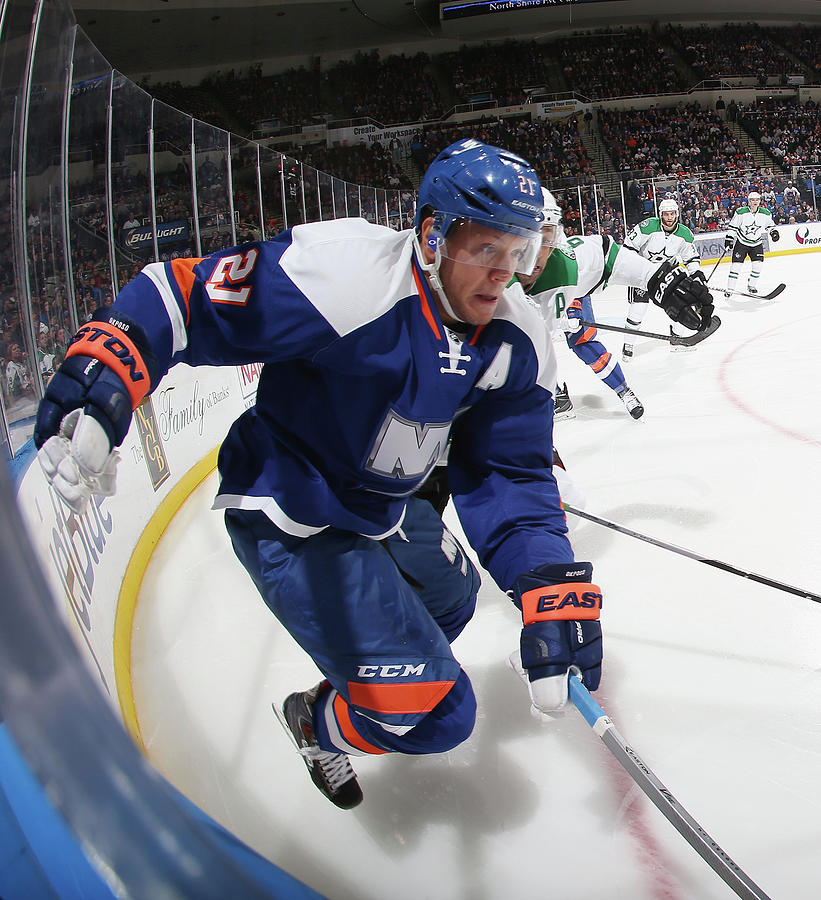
pixel 632 402
pixel 562 404
pixel 330 772
pixel 627 353
pixel 751 289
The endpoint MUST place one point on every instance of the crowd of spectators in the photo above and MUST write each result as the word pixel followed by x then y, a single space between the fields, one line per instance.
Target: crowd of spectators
pixel 788 130
pixel 668 140
pixel 499 72
pixel 394 89
pixel 365 164
pixel 622 64
pixel 733 49
pixel 554 147
pixel 707 202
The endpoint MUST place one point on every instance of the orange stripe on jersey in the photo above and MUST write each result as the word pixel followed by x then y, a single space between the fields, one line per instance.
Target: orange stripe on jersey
pixel 601 362
pixel 112 347
pixel 587 335
pixel 398 699
pixel 183 270
pixel 351 735
pixel 475 337
pixel 427 312
pixel 573 600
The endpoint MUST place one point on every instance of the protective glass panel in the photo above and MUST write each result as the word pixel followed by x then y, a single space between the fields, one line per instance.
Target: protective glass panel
pixel 310 186
pixel 394 210
pixel 294 208
pixel 381 203
pixel 346 196
pixel 12 64
pixel 45 244
pixel 407 204
pixel 245 187
pixel 172 185
pixel 326 195
pixel 87 198
pixel 213 196
pixel 130 187
pixel 367 203
pixel 270 167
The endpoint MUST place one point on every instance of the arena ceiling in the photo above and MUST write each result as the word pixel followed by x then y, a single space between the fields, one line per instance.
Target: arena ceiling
pixel 143 36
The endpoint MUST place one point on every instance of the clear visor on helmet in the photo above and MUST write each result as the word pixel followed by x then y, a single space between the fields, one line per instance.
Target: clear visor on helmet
pixel 475 243
pixel 552 235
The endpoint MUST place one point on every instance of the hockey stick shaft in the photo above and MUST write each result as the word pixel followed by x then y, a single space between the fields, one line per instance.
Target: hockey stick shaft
pixel 716 563
pixel 713 271
pixel 623 330
pixel 771 296
pixel 719 861
pixel 689 341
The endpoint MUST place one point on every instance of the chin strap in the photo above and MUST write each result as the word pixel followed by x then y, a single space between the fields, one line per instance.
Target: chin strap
pixel 432 271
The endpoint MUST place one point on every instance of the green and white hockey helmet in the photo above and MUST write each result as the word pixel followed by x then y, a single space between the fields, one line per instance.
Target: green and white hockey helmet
pixel 552 231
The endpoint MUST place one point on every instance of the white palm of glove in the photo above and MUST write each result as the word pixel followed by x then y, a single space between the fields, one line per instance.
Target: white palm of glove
pixel 548 696
pixel 79 461
pixel 569 324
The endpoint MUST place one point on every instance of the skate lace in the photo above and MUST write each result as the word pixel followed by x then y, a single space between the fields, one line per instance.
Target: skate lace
pixel 335 768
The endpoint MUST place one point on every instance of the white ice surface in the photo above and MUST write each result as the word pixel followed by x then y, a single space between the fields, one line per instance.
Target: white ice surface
pixel 713 678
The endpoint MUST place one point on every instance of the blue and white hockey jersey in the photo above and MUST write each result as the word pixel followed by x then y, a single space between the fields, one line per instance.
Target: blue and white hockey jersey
pixel 363 386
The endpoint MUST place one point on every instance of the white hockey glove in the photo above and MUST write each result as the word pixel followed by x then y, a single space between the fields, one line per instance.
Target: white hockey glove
pixel 568 324
pixel 79 461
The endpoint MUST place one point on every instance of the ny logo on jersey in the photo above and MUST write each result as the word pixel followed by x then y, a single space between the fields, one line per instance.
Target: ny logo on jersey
pixel 405 449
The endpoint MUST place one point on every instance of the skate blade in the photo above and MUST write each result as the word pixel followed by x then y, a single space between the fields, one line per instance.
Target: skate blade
pixel 286 728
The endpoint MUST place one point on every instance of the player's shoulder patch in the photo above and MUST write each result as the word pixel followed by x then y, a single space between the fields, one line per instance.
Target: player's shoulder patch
pixel 651 224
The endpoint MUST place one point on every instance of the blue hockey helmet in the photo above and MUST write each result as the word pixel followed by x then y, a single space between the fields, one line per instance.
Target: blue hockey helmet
pixel 474 182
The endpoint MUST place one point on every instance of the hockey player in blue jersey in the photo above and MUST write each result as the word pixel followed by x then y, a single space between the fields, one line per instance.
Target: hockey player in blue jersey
pixel 378 348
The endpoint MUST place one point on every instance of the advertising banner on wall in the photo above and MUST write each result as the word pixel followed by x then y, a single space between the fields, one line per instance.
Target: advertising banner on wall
pixel 141 239
pixel 371 134
pixel 85 557
pixel 793 238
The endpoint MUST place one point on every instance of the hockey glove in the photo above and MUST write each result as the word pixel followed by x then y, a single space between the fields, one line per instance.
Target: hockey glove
pixel 570 319
pixel 560 610
pixel 86 411
pixel 686 300
pixel 774 235
pixel 729 240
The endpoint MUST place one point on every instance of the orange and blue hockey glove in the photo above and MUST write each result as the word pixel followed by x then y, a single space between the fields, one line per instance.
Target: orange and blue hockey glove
pixel 87 407
pixel 560 611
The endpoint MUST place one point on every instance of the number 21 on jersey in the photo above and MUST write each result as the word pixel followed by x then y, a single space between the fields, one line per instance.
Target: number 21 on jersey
pixel 231 270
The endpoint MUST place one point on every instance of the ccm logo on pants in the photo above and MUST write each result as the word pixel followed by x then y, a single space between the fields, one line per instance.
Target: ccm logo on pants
pixel 403 670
